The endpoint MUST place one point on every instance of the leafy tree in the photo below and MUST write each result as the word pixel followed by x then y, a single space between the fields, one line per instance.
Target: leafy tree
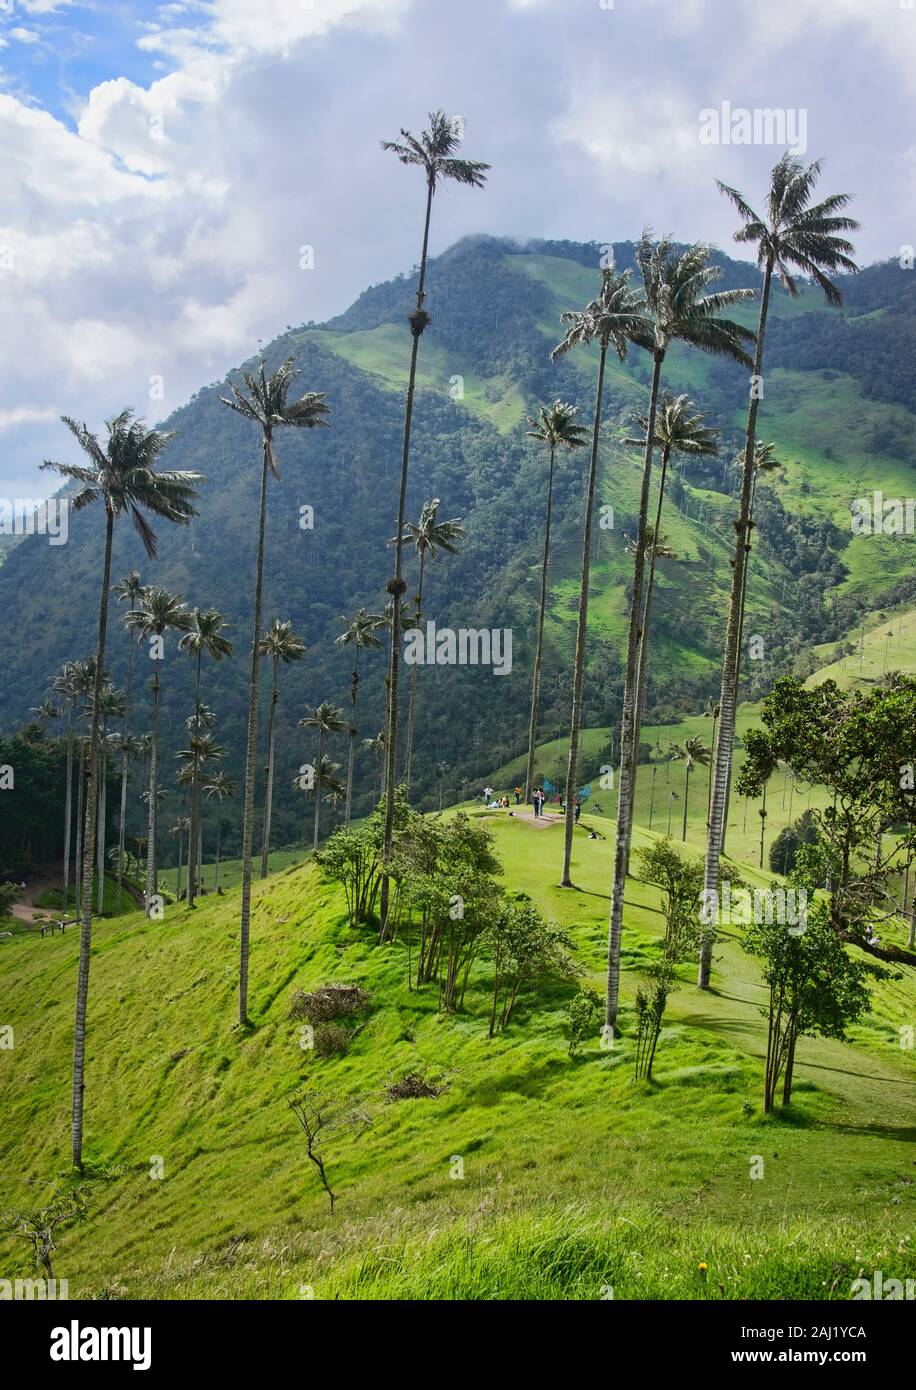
pixel 585 1015
pixel 680 881
pixel 123 476
pixel 265 403
pixel 526 950
pixel 814 989
pixel 433 151
pixel 650 1007
pixel 791 235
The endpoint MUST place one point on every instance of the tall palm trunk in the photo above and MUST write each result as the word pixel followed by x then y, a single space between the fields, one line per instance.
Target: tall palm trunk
pixel 687 771
pixel 180 845
pixel 318 787
pixel 80 799
pixel 82 985
pixel 412 705
pixel 538 651
pixel 728 699
pixel 581 629
pixel 351 755
pixel 396 585
pixel 103 801
pixel 269 793
pixel 68 806
pixel 728 782
pixel 152 866
pixel 219 839
pixel 122 820
pixel 647 608
pixel 629 724
pixel 195 792
pixel 251 750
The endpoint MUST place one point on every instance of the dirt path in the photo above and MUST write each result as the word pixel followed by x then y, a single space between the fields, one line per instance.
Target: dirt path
pixel 24 909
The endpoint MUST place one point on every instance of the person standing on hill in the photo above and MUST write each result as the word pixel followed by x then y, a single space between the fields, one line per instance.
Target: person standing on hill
pixel 518 795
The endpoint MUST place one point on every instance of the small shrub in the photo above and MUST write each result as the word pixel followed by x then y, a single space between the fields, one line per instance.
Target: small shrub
pixel 331 1040
pixel 329 1002
pixel 414 1086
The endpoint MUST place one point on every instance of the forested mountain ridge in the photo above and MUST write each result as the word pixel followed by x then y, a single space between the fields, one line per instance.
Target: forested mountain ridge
pixel 838 405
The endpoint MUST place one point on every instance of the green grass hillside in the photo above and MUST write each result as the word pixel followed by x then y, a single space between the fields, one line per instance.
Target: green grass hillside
pixel 530 1175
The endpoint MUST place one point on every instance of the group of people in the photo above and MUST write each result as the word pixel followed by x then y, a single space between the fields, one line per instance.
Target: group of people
pixel 501 803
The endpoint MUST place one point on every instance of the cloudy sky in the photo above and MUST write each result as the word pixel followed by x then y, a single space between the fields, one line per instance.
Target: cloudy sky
pixel 163 164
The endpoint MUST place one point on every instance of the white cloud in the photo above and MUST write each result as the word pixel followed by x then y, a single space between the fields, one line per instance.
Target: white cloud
pixel 24 35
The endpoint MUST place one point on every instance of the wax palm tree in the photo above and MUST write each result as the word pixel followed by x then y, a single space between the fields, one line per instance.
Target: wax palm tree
pixel 679 429
pixel 112 705
pixel 122 475
pixel 157 613
pixel 219 788
pixel 128 749
pixel 428 536
pixel 360 634
pixel 181 828
pixel 377 747
pixel 202 749
pixel 681 310
pixel 205 637
pixel 325 719
pixel 280 644
pixel 85 677
pixel 615 318
pixel 265 402
pixel 556 427
pixel 792 236
pixel 433 151
pixel 325 780
pixel 67 685
pixel 693 752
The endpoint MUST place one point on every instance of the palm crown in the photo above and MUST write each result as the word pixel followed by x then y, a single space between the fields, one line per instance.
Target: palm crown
pixel 433 150
pixel 157 612
pixel 795 233
pixel 556 425
pixel 280 643
pixel 123 475
pixel 678 430
pixel 615 317
pixel 430 535
pixel 677 305
pixel 325 718
pixel 205 635
pixel 361 629
pixel 267 405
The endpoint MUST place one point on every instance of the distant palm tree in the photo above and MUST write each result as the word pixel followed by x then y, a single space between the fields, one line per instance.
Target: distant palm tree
pixel 680 310
pixel 179 830
pixel 67 686
pixel 615 319
pixel 204 637
pixel 693 752
pixel 221 788
pixel 677 431
pixel 157 613
pixel 429 535
pixel 324 720
pixel 791 235
pixel 326 780
pixel 433 151
pixel 128 749
pixel 442 771
pixel 556 427
pixel 202 749
pixel 279 643
pixel 112 705
pixel 122 475
pixel 127 590
pixel 266 405
pixel 359 633
pixel 377 746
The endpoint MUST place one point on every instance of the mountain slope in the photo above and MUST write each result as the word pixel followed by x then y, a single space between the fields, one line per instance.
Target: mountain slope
pixel 837 405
